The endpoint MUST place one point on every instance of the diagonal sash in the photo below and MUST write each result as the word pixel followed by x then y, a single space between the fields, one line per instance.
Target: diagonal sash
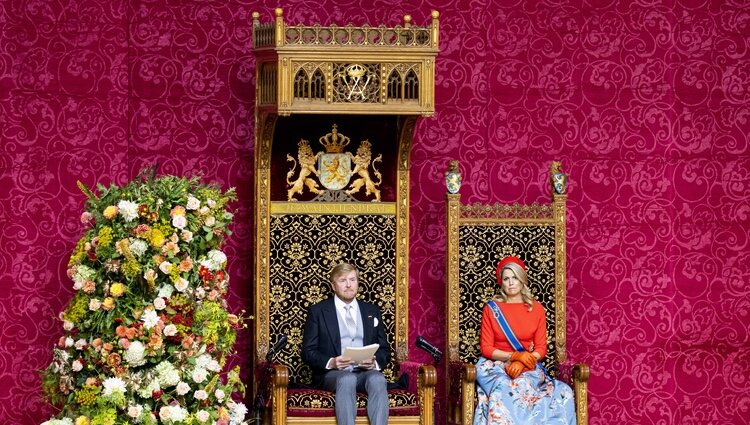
pixel 509 335
pixel 505 327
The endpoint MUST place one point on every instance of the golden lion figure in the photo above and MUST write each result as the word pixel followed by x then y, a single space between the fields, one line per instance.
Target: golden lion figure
pixel 361 164
pixel 307 160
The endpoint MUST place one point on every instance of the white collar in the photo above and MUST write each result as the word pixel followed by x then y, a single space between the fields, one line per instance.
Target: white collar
pixel 341 304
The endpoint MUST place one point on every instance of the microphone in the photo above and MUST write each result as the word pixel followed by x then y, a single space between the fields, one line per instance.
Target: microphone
pixel 276 348
pixel 426 346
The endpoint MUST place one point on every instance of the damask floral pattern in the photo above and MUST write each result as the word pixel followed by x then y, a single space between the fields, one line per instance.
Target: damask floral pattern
pixel 646 103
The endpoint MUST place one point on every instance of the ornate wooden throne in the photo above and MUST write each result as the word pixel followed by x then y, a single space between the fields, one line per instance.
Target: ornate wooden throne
pixel 478 237
pixel 336 110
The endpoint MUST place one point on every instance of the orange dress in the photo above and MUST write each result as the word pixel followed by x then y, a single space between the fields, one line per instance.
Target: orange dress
pixel 528 326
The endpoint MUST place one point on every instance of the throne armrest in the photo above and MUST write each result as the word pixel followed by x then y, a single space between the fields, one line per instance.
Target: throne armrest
pixel 279 383
pixel 577 376
pixel 461 392
pixel 423 386
pixel 420 375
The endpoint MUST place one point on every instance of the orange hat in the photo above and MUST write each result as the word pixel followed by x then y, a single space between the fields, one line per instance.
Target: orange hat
pixel 503 263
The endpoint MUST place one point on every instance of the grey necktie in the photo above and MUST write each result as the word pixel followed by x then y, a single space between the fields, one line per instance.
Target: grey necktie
pixel 350 321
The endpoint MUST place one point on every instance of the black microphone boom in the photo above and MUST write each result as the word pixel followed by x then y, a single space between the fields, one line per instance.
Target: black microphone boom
pixel 276 348
pixel 426 346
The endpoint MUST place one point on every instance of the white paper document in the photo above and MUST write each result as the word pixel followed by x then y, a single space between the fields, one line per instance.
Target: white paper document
pixel 359 354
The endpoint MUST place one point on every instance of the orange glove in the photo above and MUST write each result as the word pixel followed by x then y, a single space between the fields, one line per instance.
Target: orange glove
pixel 528 359
pixel 514 369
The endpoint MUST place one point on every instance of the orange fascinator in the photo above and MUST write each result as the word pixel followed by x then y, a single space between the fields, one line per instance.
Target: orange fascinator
pixel 505 261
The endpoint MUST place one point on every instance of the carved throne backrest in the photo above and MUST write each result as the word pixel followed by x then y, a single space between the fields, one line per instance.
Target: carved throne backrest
pixel 304 248
pixel 479 236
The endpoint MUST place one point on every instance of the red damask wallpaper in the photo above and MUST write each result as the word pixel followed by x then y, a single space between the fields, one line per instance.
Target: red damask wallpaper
pixel 647 103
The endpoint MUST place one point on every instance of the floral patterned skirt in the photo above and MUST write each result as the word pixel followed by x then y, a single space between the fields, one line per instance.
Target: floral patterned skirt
pixel 531 399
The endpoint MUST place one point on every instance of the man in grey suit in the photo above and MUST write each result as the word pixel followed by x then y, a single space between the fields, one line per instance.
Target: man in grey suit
pixel 342 321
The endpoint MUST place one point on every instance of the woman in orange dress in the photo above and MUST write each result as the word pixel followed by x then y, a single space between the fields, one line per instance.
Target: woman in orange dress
pixel 512 385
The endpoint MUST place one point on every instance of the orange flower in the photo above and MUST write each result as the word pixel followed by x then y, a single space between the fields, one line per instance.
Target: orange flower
pixel 113 359
pixel 88 286
pixel 186 265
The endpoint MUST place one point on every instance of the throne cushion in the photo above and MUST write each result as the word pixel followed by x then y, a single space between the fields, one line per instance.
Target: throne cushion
pixel 313 402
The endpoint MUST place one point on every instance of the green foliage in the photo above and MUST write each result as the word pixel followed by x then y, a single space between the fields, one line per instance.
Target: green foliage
pixel 148 330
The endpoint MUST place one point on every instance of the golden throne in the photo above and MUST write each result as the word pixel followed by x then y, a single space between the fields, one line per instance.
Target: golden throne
pixel 333 88
pixel 478 236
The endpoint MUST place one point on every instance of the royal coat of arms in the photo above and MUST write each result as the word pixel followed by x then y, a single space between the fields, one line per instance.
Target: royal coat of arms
pixel 334 168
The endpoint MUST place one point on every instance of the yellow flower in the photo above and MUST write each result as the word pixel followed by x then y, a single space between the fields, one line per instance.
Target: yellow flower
pixel 117 289
pixel 157 238
pixel 110 212
pixel 108 304
pixel 82 420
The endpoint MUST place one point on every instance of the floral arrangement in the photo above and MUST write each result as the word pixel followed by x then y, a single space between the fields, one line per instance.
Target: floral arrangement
pixel 147 332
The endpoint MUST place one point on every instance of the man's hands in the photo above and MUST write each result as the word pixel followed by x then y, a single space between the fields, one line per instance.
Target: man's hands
pixel 368 364
pixel 342 362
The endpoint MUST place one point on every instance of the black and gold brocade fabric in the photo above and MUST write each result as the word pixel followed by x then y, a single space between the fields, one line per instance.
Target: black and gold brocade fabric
pixel 304 248
pixel 480 249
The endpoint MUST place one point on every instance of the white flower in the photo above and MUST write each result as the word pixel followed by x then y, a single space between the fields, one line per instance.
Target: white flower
pixel 165 413
pixel 187 235
pixel 210 221
pixel 135 411
pixel 178 414
pixel 200 293
pixel 200 395
pixel 77 286
pixel 237 412
pixel 213 366
pixel 113 384
pixel 181 284
pixel 128 210
pixel 149 275
pixel 64 421
pixel 138 247
pixel 215 260
pixel 94 304
pixel 203 416
pixel 81 344
pixel 204 210
pixel 159 303
pixel 170 330
pixel 134 355
pixel 202 360
pixel 68 342
pixel 219 393
pixel 199 375
pixel 67 325
pixel 83 273
pixel 165 267
pixel 76 366
pixel 168 375
pixel 211 203
pixel 179 221
pixel 183 388
pixel 149 318
pixel 193 203
pixel 165 291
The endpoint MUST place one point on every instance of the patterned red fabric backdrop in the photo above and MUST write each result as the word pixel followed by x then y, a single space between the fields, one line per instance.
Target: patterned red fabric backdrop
pixel 645 102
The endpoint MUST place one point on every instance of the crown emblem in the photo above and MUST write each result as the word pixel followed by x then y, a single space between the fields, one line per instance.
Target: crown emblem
pixel 334 142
